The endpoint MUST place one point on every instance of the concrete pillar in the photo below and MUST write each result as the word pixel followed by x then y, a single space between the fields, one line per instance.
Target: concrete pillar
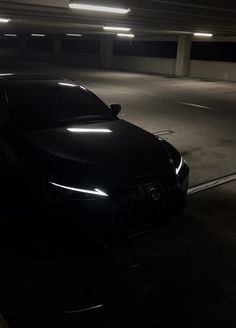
pixel 22 47
pixel 57 53
pixel 183 55
pixel 106 53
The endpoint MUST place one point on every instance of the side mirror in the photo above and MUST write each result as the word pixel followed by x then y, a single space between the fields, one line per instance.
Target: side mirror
pixel 115 109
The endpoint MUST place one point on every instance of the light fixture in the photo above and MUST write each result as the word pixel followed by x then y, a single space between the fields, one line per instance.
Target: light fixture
pixel 123 35
pixel 113 28
pixel 4 20
pixel 177 170
pixel 96 191
pixel 6 74
pixel 79 130
pixel 99 8
pixel 10 34
pixel 37 35
pixel 205 35
pixel 73 34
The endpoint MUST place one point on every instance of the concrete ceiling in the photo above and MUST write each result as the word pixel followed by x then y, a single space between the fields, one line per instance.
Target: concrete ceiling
pixel 147 17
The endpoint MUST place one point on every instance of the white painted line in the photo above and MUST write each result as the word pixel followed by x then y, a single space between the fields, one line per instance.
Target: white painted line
pixel 86 309
pixel 212 184
pixel 170 100
pixel 162 133
pixel 129 93
pixel 195 105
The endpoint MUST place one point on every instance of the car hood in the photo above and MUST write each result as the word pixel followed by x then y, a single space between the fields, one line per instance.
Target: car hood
pixel 117 148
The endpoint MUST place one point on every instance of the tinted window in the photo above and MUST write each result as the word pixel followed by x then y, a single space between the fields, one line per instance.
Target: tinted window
pixel 50 106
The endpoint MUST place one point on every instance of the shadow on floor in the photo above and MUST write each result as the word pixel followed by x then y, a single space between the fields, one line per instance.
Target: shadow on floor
pixel 182 275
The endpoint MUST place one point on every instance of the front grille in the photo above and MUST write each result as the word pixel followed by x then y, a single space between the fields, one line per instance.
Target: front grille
pixel 142 192
pixel 147 203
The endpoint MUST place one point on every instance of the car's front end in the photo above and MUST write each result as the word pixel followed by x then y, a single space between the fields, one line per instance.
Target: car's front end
pixel 128 208
pixel 125 195
pixel 84 168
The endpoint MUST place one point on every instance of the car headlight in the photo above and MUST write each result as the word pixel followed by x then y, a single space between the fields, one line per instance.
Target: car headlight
pixel 177 170
pixel 87 193
pixel 175 156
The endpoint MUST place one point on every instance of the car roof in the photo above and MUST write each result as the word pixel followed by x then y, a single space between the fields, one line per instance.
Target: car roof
pixel 24 79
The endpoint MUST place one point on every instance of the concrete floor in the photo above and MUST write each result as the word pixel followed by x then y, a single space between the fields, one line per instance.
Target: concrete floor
pixel 183 275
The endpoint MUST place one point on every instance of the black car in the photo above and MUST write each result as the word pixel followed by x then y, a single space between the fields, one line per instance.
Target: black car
pixel 70 164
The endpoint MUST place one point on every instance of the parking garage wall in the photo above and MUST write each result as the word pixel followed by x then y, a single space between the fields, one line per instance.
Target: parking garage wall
pixel 157 57
pixel 208 60
pixel 213 70
pixel 165 66
pixel 39 49
pixel 9 48
pixel 81 60
pixel 212 60
pixel 9 52
pixel 84 53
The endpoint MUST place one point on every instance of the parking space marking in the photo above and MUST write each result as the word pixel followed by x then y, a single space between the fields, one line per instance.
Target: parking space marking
pixel 212 184
pixel 162 133
pixel 195 105
pixel 129 93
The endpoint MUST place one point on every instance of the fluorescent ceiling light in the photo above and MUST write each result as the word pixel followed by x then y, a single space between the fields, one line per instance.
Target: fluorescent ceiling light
pixel 73 34
pixel 96 191
pixel 9 34
pixel 79 130
pixel 99 8
pixel 39 35
pixel 4 20
pixel 67 84
pixel 206 35
pixel 6 74
pixel 122 35
pixel 111 28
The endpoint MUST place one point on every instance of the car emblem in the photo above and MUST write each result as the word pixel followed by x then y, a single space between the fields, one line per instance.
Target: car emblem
pixel 155 194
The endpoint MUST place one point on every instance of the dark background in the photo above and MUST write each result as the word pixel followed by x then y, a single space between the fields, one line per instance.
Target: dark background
pixel 213 51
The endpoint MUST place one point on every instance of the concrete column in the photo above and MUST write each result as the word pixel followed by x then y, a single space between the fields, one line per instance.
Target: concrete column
pixel 57 53
pixel 22 47
pixel 183 55
pixel 106 53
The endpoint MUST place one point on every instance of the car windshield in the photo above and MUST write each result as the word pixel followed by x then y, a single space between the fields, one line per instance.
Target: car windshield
pixel 44 106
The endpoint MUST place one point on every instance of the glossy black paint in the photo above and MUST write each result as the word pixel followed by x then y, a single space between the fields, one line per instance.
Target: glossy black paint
pixel 135 170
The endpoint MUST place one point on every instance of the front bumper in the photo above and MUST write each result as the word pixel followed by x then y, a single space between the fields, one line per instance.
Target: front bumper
pixel 136 205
